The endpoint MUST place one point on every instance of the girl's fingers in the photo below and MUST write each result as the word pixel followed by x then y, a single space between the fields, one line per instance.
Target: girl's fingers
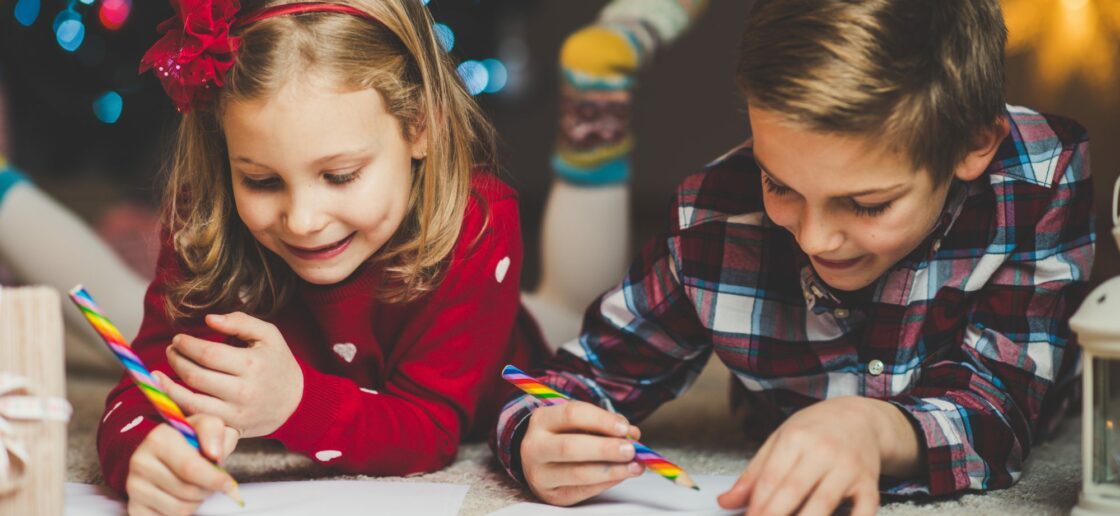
pixel 155 472
pixel 243 326
pixel 191 402
pixel 554 476
pixel 145 493
pixel 200 378
pixel 216 356
pixel 584 448
pixel 191 468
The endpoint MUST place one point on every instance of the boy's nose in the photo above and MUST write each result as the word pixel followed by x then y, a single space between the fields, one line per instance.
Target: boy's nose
pixel 817 235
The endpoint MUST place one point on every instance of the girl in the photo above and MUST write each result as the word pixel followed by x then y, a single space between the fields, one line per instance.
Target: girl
pixel 338 272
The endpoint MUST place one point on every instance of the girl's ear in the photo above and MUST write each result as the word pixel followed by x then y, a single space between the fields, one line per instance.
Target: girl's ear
pixel 419 144
pixel 977 160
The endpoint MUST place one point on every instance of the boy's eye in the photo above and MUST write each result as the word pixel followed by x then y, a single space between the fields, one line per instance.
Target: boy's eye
pixel 269 183
pixel 870 211
pixel 773 187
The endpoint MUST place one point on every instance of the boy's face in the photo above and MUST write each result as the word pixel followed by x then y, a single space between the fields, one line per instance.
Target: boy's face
pixel 321 176
pixel 854 206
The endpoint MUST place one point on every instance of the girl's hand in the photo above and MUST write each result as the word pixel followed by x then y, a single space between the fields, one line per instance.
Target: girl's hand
pixel 574 451
pixel 168 476
pixel 253 389
pixel 821 456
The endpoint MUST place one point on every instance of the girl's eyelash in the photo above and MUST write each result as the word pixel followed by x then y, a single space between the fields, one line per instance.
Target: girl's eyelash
pixel 341 179
pixel 270 183
pixel 857 208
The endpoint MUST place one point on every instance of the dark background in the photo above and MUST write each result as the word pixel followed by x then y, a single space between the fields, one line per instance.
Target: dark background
pixel 687 111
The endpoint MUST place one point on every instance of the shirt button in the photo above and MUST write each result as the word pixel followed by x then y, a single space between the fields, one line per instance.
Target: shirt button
pixel 875 367
pixel 937 245
pixel 841 313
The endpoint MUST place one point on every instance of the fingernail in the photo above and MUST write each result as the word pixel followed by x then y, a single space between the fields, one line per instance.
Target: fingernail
pixel 635 469
pixel 626 450
pixel 219 318
pixel 621 428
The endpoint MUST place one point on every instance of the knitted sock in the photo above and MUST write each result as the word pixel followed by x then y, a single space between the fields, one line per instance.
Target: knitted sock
pixel 598 66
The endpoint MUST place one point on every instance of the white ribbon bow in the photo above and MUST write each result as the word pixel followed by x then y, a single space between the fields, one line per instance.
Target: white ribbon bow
pixel 17 404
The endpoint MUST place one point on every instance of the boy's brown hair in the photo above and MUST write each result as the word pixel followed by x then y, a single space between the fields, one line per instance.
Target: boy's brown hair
pixel 924 75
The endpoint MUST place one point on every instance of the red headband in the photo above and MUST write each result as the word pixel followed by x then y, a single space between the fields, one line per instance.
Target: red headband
pixel 197 47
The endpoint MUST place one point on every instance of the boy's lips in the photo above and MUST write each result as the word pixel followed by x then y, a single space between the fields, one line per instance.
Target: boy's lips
pixel 837 264
pixel 323 252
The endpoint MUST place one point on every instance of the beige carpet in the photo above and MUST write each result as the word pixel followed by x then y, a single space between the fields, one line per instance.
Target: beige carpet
pixel 696 431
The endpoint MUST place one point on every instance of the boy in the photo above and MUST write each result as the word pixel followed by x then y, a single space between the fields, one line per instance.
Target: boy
pixel 887 266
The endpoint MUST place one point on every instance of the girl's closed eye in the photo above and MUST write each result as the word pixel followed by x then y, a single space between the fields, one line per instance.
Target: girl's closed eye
pixel 336 178
pixel 261 184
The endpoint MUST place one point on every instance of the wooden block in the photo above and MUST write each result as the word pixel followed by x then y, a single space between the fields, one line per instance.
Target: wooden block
pixel 31 346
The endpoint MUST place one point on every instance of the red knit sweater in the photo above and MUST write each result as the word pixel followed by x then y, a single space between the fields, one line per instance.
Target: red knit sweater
pixel 389 389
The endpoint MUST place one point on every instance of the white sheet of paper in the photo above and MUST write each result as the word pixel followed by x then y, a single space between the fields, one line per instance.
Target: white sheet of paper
pixel 647 494
pixel 325 497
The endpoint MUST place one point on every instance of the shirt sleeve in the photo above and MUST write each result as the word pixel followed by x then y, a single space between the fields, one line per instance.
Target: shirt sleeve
pixel 977 408
pixel 129 416
pixel 456 347
pixel 641 345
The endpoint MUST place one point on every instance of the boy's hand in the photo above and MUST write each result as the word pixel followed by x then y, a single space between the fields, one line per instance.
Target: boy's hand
pixel 168 476
pixel 253 389
pixel 821 456
pixel 574 451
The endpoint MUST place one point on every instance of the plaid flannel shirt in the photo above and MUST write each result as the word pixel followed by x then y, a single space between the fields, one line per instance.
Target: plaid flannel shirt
pixel 967 335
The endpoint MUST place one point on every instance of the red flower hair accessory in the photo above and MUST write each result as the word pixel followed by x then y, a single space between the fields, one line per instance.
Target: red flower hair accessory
pixel 197 48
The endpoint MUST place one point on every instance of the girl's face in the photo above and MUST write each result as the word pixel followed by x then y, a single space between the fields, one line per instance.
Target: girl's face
pixel 321 175
pixel 854 208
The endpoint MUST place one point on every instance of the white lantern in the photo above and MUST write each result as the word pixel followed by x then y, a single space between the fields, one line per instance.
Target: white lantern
pixel 1097 324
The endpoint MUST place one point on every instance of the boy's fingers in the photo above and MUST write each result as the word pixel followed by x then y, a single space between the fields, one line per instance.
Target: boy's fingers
pixel 795 488
pixel 578 416
pixel 772 474
pixel 740 492
pixel 217 356
pixel 585 448
pixel 587 473
pixel 568 495
pixel 865 500
pixel 829 493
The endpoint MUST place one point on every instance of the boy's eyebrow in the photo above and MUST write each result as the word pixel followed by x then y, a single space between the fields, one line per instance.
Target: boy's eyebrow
pixel 860 193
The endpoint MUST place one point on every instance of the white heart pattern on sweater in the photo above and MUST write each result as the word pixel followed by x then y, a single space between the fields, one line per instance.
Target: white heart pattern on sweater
pixel 502 269
pixel 346 350
pixel 328 455
pixel 133 424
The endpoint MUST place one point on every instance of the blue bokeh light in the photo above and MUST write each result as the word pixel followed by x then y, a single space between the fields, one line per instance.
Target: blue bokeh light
pixel 498 75
pixel 445 35
pixel 27 11
pixel 107 108
pixel 69 30
pixel 474 75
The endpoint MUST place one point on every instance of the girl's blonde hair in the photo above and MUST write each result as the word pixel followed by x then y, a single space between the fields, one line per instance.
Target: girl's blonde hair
pixel 400 57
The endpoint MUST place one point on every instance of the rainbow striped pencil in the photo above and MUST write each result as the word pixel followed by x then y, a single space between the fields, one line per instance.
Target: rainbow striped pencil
pixel 140 374
pixel 653 460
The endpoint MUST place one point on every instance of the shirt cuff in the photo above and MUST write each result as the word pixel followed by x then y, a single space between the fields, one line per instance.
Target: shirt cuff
pixel 317 412
pixel 512 425
pixel 936 421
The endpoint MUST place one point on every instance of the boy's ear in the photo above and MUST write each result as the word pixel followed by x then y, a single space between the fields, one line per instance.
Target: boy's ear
pixel 977 160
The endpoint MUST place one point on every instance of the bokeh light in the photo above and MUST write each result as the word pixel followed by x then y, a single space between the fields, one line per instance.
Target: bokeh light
pixel 108 107
pixel 27 11
pixel 474 76
pixel 498 75
pixel 114 13
pixel 69 30
pixel 445 35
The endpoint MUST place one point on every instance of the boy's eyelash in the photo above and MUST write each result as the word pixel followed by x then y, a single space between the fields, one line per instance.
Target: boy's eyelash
pixel 773 187
pixel 870 211
pixel 857 208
